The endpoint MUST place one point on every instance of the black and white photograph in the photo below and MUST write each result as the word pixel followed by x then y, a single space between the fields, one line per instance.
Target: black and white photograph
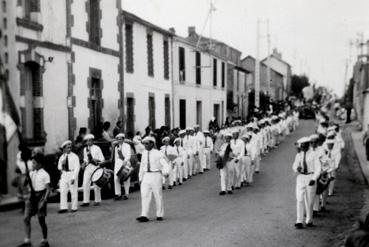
pixel 184 123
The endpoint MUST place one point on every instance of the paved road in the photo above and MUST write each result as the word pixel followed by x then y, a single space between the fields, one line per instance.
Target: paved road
pixel 260 215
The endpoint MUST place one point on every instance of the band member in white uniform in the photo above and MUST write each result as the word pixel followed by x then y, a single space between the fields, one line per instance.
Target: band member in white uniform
pixel 92 155
pixel 307 167
pixel 179 161
pixel 189 143
pixel 199 155
pixel 226 160
pixel 120 157
pixel 238 148
pixel 167 150
pixel 69 166
pixel 153 166
pixel 336 156
pixel 208 149
pixel 182 134
pixel 245 161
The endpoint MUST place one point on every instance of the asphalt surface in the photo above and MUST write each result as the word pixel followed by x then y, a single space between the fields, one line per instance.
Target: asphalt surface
pixel 195 215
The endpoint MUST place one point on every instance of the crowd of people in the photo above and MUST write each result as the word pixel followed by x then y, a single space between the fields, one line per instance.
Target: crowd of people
pixel 316 162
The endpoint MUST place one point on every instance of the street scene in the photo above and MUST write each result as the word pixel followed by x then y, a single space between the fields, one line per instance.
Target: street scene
pixel 184 123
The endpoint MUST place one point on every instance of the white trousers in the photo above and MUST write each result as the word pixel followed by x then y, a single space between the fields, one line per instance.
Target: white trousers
pixel 117 184
pixel 87 185
pixel 231 167
pixel 246 168
pixel 179 164
pixel 207 158
pixel 305 198
pixel 190 161
pixel 171 177
pixel 66 186
pixel 223 178
pixel 257 163
pixel 237 173
pixel 152 184
pixel 332 183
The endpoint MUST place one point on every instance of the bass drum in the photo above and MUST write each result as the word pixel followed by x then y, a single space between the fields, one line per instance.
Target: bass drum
pixel 124 172
pixel 101 177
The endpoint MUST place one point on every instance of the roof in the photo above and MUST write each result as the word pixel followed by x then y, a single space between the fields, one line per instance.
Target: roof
pixel 279 59
pixel 135 18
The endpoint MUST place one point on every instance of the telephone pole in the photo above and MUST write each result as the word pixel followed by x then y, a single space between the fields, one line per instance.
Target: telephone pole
pixel 257 67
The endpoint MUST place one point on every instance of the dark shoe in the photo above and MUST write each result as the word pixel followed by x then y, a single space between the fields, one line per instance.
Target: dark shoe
pixel 323 209
pixel 310 224
pixel 238 188
pixel 73 210
pixel 163 188
pixel 159 218
pixel 222 193
pixel 230 192
pixel 180 184
pixel 174 184
pixel 170 187
pixel 44 244
pixel 29 244
pixel 315 214
pixel 97 204
pixel 125 197
pixel 142 219
pixel 62 211
pixel 185 179
pixel 201 172
pixel 85 204
pixel 117 198
pixel 299 226
pixel 257 172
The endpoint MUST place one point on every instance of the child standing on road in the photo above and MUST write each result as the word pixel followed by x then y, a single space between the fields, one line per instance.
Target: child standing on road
pixel 37 201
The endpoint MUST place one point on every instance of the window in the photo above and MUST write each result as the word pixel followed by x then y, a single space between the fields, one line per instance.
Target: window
pixel 199 113
pixel 223 75
pixel 167 111
pixel 129 48
pixel 198 68
pixel 215 72
pixel 130 114
pixel 5 23
pixel 96 105
pixel 152 112
pixel 166 59
pixel 182 113
pixel 238 81
pixel 94 22
pixel 32 113
pixel 5 40
pixel 6 58
pixel 31 6
pixel 4 6
pixel 182 64
pixel 150 55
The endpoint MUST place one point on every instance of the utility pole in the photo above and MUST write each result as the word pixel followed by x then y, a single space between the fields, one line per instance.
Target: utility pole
pixel 269 79
pixel 257 67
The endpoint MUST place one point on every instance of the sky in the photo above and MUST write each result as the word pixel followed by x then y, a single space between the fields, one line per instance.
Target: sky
pixel 313 36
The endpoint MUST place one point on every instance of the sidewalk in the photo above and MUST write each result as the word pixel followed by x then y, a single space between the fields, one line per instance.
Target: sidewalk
pixel 357 138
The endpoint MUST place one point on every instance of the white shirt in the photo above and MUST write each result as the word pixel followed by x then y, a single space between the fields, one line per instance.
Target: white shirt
pixel 312 163
pixel 73 164
pixel 126 151
pixel 95 152
pixel 40 178
pixel 208 143
pixel 238 148
pixel 158 163
pixel 167 150
pixel 189 143
pixel 199 140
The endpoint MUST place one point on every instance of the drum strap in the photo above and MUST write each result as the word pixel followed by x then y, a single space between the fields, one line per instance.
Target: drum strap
pixel 148 162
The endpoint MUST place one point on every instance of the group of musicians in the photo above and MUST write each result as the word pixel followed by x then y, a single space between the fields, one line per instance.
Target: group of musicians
pixel 242 146
pixel 316 162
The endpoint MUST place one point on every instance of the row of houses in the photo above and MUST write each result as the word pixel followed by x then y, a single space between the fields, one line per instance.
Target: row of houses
pixel 73 64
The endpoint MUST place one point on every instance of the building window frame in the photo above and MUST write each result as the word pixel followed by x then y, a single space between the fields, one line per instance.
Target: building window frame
pixel 182 64
pixel 150 53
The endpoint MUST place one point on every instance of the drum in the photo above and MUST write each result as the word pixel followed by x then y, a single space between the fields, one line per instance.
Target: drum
pixel 124 172
pixel 101 177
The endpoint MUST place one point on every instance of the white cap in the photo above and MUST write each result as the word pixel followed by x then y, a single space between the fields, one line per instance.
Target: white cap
pixel 303 140
pixel 120 135
pixel 331 133
pixel 332 128
pixel 66 143
pixel 181 132
pixel 89 137
pixel 245 136
pixel 177 140
pixel 206 131
pixel 165 139
pixel 148 139
pixel 196 126
pixel 227 134
pixel 329 141
pixel 314 137
pixel 235 132
pixel 189 128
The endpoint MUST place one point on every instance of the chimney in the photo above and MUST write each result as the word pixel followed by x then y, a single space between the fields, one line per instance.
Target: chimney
pixel 191 31
pixel 172 30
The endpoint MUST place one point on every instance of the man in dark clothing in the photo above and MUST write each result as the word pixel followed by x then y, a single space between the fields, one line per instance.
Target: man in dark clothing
pixel 117 128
